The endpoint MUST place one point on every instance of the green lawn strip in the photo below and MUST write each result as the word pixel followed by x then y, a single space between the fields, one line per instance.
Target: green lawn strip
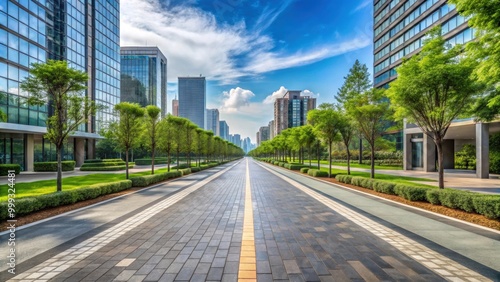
pixel 69 183
pixel 365 166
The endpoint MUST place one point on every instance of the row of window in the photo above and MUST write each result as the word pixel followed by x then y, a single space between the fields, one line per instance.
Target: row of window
pixel 12 8
pixel 425 6
pixel 463 37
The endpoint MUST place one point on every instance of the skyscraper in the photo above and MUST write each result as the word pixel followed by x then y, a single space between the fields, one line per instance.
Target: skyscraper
pixel 175 107
pixel 271 130
pixel 144 76
pixel 400 28
pixel 224 130
pixel 87 35
pixel 263 134
pixel 192 99
pixel 291 110
pixel 213 121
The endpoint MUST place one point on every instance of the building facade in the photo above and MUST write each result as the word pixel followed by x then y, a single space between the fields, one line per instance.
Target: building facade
pixel 144 76
pixel 291 110
pixel 271 130
pixel 224 130
pixel 263 134
pixel 86 35
pixel 193 99
pixel 175 107
pixel 400 28
pixel 213 121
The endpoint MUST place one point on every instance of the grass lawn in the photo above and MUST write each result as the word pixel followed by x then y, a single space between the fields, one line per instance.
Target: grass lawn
pixel 69 183
pixel 357 165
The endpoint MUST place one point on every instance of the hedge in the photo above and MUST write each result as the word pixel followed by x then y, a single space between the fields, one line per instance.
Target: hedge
pixel 52 166
pixel 195 169
pixel 185 171
pixel 103 164
pixel 107 168
pixel 102 160
pixel 31 204
pixel 304 169
pixel 4 169
pixel 149 161
pixel 411 193
pixel 146 180
pixel 344 178
pixel 317 173
pixel 293 166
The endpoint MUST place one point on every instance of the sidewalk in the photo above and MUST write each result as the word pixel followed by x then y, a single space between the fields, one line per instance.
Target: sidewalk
pixel 453 178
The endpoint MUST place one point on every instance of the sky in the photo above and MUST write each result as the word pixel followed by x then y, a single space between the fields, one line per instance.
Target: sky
pixel 253 51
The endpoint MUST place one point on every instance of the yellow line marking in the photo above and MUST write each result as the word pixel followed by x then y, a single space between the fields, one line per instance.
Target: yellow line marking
pixel 248 266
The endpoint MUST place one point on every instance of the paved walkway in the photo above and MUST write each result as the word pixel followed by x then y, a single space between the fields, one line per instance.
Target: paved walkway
pixel 457 179
pixel 198 228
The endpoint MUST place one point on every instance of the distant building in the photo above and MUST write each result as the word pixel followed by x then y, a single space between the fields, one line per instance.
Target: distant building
pixel 213 121
pixel 257 136
pixel 224 130
pixel 235 139
pixel 271 130
pixel 247 145
pixel 193 99
pixel 291 110
pixel 175 107
pixel 263 134
pixel 144 76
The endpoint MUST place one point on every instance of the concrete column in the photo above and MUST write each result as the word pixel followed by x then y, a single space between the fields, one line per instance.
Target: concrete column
pixel 482 150
pixel 79 151
pixel 29 154
pixel 449 154
pixel 429 157
pixel 407 152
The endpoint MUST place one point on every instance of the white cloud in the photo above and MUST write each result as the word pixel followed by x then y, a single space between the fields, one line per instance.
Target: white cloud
pixel 363 5
pixel 235 99
pixel 309 93
pixel 195 43
pixel 276 94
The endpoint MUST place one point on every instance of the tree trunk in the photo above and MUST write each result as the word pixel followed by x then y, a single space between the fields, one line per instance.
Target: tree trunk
pixel 168 161
pixel 439 145
pixel 153 160
pixel 126 163
pixel 177 160
pixel 59 168
pixel 372 157
pixel 309 155
pixel 360 150
pixel 329 159
pixel 348 162
pixel 317 153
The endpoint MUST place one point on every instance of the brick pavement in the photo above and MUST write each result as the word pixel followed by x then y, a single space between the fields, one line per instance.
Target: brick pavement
pixel 199 238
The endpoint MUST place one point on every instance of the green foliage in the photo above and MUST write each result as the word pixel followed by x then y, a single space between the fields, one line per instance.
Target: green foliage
pixel 411 193
pixel 32 204
pixel 52 166
pixel 488 206
pixel 106 168
pixel 484 18
pixel 347 179
pixel 149 161
pixel 466 157
pixel 102 160
pixel 432 196
pixel 195 169
pixel 304 169
pixel 4 169
pixel 105 165
pixel 355 83
pixel 384 187
pixel 495 162
pixel 185 171
pixel 146 180
pixel 317 173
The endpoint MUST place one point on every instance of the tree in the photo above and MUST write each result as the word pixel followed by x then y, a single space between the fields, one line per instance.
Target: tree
pixel 308 137
pixel 346 129
pixel 485 19
pixel 151 127
pixel 355 83
pixel 62 88
pixel 369 111
pixel 326 120
pixel 433 88
pixel 106 148
pixel 166 141
pixel 128 128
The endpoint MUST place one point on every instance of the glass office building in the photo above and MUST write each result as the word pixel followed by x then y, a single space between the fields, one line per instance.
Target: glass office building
pixel 193 99
pixel 144 76
pixel 291 110
pixel 400 27
pixel 34 31
pixel 213 121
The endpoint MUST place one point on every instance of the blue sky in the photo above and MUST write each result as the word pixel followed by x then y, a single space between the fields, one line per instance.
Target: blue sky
pixel 253 51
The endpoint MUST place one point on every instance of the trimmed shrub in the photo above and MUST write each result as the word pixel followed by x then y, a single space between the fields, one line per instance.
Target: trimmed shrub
pixel 411 193
pixel 432 196
pixel 183 166
pixel 195 169
pixel 344 178
pixel 146 180
pixel 103 164
pixel 295 166
pixel 486 205
pixel 102 160
pixel 384 187
pixel 31 204
pixel 52 166
pixel 317 173
pixel 185 171
pixel 304 169
pixel 4 169
pixel 149 161
pixel 107 168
